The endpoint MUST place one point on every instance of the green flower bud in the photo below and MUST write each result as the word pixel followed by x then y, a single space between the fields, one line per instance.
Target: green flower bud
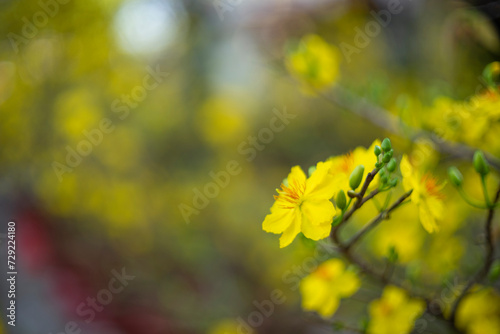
pixel 341 200
pixel 386 145
pixel 391 166
pixel 384 179
pixel 392 255
pixel 480 163
pixel 311 170
pixel 391 152
pixel 382 172
pixel 393 182
pixel 378 165
pixel 356 176
pixel 377 150
pixel 494 271
pixel 387 157
pixel 456 177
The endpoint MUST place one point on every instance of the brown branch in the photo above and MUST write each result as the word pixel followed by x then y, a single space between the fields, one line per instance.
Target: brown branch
pixel 488 262
pixel 381 117
pixel 382 216
pixel 359 201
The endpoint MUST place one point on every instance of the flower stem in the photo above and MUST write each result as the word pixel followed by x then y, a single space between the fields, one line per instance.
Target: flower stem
pixel 469 201
pixel 485 191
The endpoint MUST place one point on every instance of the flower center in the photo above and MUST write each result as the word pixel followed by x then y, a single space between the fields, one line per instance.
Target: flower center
pixel 431 186
pixel 291 196
pixel 385 308
pixel 347 163
pixel 324 274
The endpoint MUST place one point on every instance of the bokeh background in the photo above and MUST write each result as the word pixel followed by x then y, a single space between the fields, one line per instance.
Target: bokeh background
pixel 220 80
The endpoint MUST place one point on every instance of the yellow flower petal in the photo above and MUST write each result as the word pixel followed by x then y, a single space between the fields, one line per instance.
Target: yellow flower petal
pixel 315 232
pixel 291 232
pixel 330 307
pixel 321 184
pixel 296 177
pixel 427 219
pixel 278 221
pixel 318 212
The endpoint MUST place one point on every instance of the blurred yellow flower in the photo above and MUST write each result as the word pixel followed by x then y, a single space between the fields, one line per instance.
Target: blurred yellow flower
pixel 479 312
pixel 427 195
pixel 342 166
pixel 475 121
pixel 394 312
pixel 315 62
pixel 221 120
pixel 450 250
pixel 322 290
pixel 227 326
pixel 303 206
pixel 402 232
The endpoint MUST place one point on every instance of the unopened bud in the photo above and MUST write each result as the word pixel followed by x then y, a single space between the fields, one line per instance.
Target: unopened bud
pixel 480 163
pixel 455 176
pixel 341 200
pixel 356 176
pixel 391 165
pixel 386 145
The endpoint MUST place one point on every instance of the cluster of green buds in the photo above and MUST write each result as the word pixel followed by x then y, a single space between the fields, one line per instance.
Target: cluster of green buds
pixel 482 168
pixel 386 164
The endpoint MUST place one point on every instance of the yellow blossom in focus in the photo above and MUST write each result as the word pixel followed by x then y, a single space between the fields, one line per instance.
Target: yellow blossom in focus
pixel 315 62
pixel 303 206
pixel 479 312
pixel 343 165
pixel 427 195
pixel 394 312
pixel 322 290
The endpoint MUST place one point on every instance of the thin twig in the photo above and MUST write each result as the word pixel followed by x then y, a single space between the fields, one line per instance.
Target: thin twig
pixel 359 201
pixel 485 269
pixel 381 216
pixel 346 249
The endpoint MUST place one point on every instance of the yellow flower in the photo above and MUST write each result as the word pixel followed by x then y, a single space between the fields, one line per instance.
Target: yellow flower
pixel 427 195
pixel 322 290
pixel 343 165
pixel 303 206
pixel 315 62
pixel 402 231
pixel 479 312
pixel 227 326
pixel 394 312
